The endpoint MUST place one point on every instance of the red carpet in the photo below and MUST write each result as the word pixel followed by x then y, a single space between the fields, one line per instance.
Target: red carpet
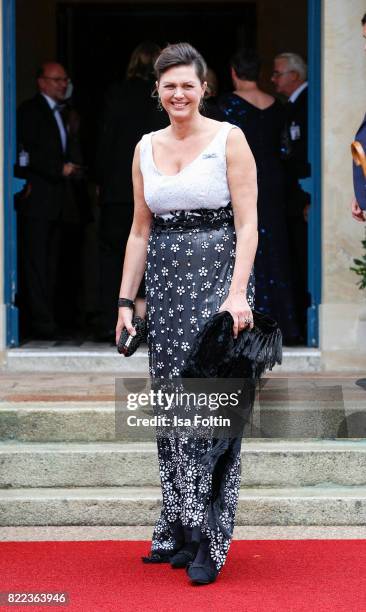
pixel 259 576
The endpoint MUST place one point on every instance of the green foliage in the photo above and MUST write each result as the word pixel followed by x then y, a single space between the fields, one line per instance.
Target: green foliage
pixel 360 267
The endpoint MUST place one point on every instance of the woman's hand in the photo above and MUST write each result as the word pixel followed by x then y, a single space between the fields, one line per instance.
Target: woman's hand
pixel 357 213
pixel 124 320
pixel 240 310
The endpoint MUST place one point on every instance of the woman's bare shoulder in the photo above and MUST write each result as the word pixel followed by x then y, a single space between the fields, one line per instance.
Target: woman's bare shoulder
pixel 235 135
pixel 236 144
pixel 211 126
pixel 161 135
pixel 212 122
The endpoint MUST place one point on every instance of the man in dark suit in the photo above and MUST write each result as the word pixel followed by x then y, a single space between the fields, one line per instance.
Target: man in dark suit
pixel 358 205
pixel 289 78
pixel 43 135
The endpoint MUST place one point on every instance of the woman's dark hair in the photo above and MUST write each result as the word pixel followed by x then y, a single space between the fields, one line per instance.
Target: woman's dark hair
pixel 142 60
pixel 246 64
pixel 363 20
pixel 180 54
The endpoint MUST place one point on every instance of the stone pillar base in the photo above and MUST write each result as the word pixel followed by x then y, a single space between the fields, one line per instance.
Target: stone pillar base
pixel 343 336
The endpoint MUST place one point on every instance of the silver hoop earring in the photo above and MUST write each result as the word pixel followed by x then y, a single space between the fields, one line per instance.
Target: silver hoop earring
pixel 155 94
pixel 159 104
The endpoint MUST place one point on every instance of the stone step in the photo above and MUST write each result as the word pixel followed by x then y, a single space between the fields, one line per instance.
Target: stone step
pixel 89 421
pixel 55 421
pixel 97 533
pixel 136 506
pixel 265 463
pixel 96 359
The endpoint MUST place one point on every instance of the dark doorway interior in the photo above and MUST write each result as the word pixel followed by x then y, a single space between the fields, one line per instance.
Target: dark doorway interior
pixel 95 42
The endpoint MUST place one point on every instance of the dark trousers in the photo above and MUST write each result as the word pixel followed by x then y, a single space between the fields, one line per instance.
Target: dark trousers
pixel 68 307
pixel 115 224
pixel 298 251
pixel 38 241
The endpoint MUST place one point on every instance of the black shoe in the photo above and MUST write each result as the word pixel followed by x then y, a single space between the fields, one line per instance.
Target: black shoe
pixel 43 333
pixel 65 336
pixel 361 382
pixel 294 341
pixel 156 557
pixel 203 569
pixel 184 556
pixel 202 573
pixel 107 337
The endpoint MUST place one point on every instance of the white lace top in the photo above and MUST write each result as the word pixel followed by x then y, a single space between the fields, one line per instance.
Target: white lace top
pixel 200 184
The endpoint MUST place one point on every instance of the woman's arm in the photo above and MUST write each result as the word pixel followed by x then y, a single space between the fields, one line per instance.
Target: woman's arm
pixel 242 180
pixel 136 248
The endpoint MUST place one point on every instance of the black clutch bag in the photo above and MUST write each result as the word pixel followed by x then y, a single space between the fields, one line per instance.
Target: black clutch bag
pixel 216 354
pixel 127 344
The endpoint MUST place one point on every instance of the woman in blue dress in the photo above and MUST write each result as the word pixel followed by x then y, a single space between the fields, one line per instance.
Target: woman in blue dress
pixel 262 120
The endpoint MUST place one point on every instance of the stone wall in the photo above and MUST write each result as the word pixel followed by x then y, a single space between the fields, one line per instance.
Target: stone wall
pixel 2 307
pixel 344 105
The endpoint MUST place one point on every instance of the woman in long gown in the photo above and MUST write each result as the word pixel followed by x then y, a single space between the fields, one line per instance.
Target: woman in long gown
pixel 262 120
pixel 185 177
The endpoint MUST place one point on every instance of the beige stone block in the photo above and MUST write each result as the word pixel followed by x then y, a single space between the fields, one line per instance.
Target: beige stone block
pixel 344 93
pixel 344 361
pixel 339 326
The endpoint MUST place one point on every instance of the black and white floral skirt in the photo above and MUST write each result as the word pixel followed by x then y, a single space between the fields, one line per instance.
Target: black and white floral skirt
pixel 190 263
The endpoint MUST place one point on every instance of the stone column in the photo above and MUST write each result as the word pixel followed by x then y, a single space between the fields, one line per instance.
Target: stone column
pixel 2 305
pixel 344 105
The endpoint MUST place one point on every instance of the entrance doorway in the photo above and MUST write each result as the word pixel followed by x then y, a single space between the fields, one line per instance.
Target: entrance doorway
pixel 94 40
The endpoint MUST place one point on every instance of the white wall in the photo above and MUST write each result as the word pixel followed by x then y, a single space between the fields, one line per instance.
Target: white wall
pixel 344 105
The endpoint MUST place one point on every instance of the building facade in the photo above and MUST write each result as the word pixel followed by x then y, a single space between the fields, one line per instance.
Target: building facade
pixel 342 309
pixel 341 315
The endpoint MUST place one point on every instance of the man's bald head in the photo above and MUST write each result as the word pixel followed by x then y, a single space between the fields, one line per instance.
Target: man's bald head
pixel 52 80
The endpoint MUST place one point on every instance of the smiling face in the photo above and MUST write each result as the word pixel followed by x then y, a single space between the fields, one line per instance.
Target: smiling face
pixel 180 91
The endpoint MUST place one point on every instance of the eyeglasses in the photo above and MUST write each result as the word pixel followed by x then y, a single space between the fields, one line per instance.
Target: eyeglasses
pixel 276 73
pixel 57 79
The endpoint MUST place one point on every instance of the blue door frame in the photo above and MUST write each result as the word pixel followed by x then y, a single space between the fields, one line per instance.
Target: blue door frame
pixel 314 226
pixel 12 185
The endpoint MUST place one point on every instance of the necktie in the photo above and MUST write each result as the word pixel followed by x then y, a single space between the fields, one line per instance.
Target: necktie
pixel 58 107
pixel 56 111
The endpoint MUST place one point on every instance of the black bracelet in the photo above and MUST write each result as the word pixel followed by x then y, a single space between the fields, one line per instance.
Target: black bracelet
pixel 124 302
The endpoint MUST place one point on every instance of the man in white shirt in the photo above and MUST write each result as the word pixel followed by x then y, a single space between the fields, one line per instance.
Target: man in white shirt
pixel 289 78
